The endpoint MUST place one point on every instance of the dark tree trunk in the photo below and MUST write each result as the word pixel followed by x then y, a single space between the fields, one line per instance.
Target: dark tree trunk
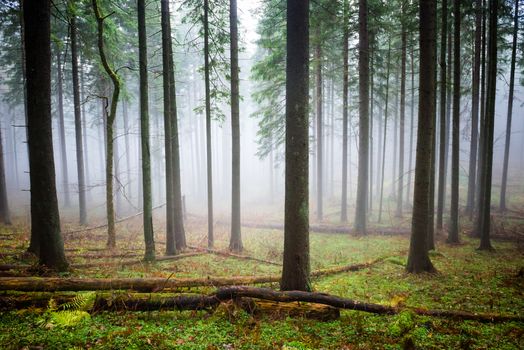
pixel 45 218
pixel 363 150
pixel 453 236
pixel 210 238
pixel 487 164
pixel 144 134
pixel 443 128
pixel 4 205
pixel 386 103
pixel 115 79
pixel 168 139
pixel 412 123
pixel 345 88
pixel 402 116
pixel 61 126
pixel 472 176
pixel 178 217
pixel 320 122
pixel 235 243
pixel 84 130
pixel 295 272
pixel 78 126
pixel 510 110
pixel 418 259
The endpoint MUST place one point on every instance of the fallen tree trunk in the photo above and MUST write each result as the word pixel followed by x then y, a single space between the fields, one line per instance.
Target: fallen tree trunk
pixel 237 256
pixel 39 284
pixel 149 302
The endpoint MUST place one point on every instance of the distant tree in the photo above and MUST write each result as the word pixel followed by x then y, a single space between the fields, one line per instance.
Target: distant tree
pixel 296 268
pixel 61 124
pixel 144 134
pixel 453 235
pixel 489 123
pixel 78 118
pixel 345 106
pixel 403 36
pixel 502 205
pixel 45 218
pixel 386 104
pixel 363 150
pixel 418 259
pixel 5 218
pixel 115 79
pixel 235 243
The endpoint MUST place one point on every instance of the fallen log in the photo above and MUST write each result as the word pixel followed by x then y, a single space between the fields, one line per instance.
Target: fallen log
pixel 233 255
pixel 39 284
pixel 247 296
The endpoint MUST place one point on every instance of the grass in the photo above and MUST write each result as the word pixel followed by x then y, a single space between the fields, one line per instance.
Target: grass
pixel 468 280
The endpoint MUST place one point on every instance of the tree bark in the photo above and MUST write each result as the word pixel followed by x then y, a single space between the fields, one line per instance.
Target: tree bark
pixel 235 243
pixel 400 191
pixel 418 259
pixel 320 122
pixel 472 177
pixel 386 103
pixel 412 124
pixel 453 235
pixel 78 125
pixel 45 218
pixel 441 192
pixel 502 205
pixel 85 132
pixel 210 238
pixel 5 218
pixel 489 126
pixel 295 273
pixel 363 151
pixel 61 127
pixel 345 122
pixel 144 134
pixel 115 79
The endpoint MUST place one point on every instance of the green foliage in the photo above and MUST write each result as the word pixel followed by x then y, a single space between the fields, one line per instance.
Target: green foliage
pixel 69 314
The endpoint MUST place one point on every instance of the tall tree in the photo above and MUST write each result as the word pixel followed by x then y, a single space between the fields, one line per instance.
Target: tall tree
pixel 453 236
pixel 78 120
pixel 168 139
pixel 45 218
pixel 345 106
pixel 489 123
pixel 472 178
pixel 235 243
pixel 144 134
pixel 403 36
pixel 210 238
pixel 61 125
pixel 418 259
pixel 5 218
pixel 115 79
pixel 386 104
pixel 504 183
pixel 363 151
pixel 441 191
pixel 319 121
pixel 295 272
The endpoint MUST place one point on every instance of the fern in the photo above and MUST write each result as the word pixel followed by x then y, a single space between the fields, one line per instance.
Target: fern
pixel 68 314
pixel 81 302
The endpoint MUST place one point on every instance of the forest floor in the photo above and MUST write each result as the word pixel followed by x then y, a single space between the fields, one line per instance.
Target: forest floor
pixel 467 280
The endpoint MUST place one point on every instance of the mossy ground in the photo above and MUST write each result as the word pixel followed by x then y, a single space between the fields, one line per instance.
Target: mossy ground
pixel 467 280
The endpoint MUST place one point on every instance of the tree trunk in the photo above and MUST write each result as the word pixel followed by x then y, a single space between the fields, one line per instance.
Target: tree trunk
pixel 412 124
pixel 235 243
pixel 78 126
pixel 144 134
pixel 472 177
pixel 443 128
pixel 487 164
pixel 371 116
pixel 345 106
pixel 402 116
pixel 45 218
pixel 295 273
pixel 453 236
pixel 84 130
pixel 418 259
pixel 504 183
pixel 319 121
pixel 363 150
pixel 61 126
pixel 4 205
pixel 125 115
pixel 178 217
pixel 386 103
pixel 111 239
pixel 210 238
pixel 168 139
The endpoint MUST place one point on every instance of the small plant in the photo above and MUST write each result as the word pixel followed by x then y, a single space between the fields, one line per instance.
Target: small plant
pixel 68 314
